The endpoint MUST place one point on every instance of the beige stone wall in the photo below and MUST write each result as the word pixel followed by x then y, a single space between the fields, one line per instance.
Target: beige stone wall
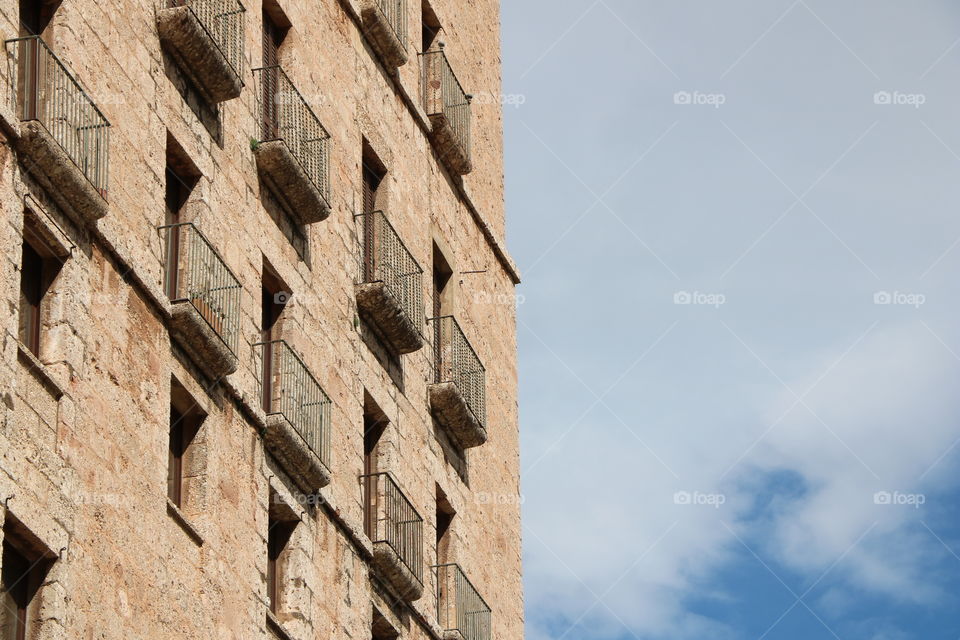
pixel 83 440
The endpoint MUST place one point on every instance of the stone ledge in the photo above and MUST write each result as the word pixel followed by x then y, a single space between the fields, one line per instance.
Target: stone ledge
pixel 448 147
pixel 60 176
pixel 200 341
pixel 381 35
pixel 285 176
pixel 181 519
pixel 391 568
pixel 293 453
pixel 451 410
pixel 198 56
pixel 39 371
pixel 380 307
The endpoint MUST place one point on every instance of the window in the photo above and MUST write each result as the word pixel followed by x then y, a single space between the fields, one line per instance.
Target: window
pixel 275 27
pixel 36 16
pixel 431 26
pixel 373 174
pixel 442 273
pixel 278 538
pixel 38 269
pixel 180 178
pixel 374 424
pixel 274 296
pixel 445 516
pixel 21 577
pixel 185 420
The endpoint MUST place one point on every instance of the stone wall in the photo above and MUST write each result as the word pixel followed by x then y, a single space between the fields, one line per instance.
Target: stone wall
pixel 84 433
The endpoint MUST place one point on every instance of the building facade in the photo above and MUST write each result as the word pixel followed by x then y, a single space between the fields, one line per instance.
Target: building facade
pixel 259 343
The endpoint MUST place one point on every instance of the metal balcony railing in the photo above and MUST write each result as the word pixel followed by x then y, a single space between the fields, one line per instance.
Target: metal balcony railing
pixel 43 89
pixel 459 606
pixel 390 518
pixel 395 11
pixel 290 390
pixel 444 92
pixel 223 20
pixel 196 273
pixel 285 115
pixel 384 258
pixel 456 361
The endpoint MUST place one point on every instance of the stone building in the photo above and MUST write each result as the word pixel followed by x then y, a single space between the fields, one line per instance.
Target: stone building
pixel 259 343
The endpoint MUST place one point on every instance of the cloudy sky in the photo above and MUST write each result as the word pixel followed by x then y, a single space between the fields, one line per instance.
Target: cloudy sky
pixel 739 228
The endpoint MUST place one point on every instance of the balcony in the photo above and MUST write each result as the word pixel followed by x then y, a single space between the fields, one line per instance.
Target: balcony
pixel 298 416
pixel 205 300
pixel 64 141
pixel 396 530
pixel 448 107
pixel 461 612
pixel 390 294
pixel 293 152
pixel 385 25
pixel 205 37
pixel 457 396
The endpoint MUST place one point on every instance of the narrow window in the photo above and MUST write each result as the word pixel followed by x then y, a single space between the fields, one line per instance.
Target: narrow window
pixel 373 174
pixel 440 301
pixel 38 269
pixel 374 424
pixel 273 299
pixel 180 178
pixel 275 26
pixel 36 16
pixel 445 516
pixel 20 581
pixel 185 420
pixel 277 538
pixel 431 26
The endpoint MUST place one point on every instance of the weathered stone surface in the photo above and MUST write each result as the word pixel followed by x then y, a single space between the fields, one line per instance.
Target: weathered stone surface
pixel 294 454
pixel 285 176
pixel 51 166
pixel 451 410
pixel 388 565
pixel 185 39
pixel 453 154
pixel 382 36
pixel 204 346
pixel 380 307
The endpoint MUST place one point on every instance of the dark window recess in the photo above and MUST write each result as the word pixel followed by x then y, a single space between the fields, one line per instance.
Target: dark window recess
pixel 441 278
pixel 274 31
pixel 38 269
pixel 277 538
pixel 273 299
pixel 36 16
pixel 373 175
pixel 445 516
pixel 21 577
pixel 185 422
pixel 431 27
pixel 374 424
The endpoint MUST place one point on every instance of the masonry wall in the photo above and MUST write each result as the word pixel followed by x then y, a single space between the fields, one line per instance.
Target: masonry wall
pixel 83 440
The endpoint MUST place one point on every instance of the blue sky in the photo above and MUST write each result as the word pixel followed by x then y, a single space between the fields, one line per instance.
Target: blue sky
pixel 739 229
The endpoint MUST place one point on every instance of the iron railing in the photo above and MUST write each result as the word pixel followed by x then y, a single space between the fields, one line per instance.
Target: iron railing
pixel 285 115
pixel 223 20
pixel 395 11
pixel 196 273
pixel 456 361
pixel 391 519
pixel 443 92
pixel 459 606
pixel 43 89
pixel 290 390
pixel 386 259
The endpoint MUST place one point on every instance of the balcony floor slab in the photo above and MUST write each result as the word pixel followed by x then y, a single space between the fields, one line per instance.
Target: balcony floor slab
pixel 379 306
pixel 285 176
pixel 294 454
pixel 200 341
pixel 185 39
pixel 451 410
